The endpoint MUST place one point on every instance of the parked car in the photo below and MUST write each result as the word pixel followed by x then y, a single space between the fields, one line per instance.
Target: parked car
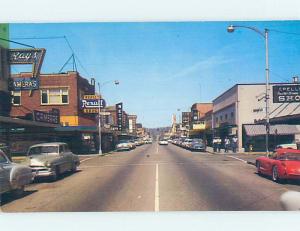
pixel 198 145
pixel 124 146
pixel 163 142
pixel 187 143
pixel 290 146
pixel 283 164
pixel 13 177
pixel 52 159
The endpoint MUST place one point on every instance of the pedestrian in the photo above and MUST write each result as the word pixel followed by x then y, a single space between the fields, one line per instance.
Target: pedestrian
pixel 234 144
pixel 226 144
pixel 219 142
pixel 215 144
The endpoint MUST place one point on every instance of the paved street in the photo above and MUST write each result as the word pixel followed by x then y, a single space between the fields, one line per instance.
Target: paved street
pixel 154 178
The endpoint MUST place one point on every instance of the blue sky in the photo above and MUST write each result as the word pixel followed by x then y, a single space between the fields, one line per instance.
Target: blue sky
pixel 163 67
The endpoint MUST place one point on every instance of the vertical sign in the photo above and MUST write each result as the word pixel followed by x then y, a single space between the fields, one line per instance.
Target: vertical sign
pixel 119 111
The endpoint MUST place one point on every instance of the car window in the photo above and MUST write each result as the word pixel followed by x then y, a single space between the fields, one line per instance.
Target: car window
pixel 42 150
pixel 67 148
pixel 289 156
pixel 3 158
pixel 61 148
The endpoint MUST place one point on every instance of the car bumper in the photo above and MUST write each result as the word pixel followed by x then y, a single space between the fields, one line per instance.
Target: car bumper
pixel 42 172
pixel 123 149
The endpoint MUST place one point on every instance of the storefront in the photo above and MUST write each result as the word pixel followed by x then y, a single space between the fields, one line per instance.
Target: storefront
pixel 254 136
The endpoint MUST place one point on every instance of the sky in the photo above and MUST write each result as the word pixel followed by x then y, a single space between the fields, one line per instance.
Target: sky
pixel 165 67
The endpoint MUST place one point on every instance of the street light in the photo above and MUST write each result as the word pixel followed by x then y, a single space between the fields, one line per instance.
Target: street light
pixel 265 35
pixel 116 82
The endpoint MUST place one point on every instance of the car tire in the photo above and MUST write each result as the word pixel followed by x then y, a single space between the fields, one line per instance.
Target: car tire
pixel 19 192
pixel 275 177
pixel 74 167
pixel 55 175
pixel 258 168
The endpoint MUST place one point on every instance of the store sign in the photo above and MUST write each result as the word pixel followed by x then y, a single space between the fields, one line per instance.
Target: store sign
pixel 286 93
pixel 51 117
pixel 28 56
pixel 119 112
pixel 90 104
pixel 199 126
pixel 19 84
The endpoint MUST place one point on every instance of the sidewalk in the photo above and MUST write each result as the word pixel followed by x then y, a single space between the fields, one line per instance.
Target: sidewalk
pixel 210 150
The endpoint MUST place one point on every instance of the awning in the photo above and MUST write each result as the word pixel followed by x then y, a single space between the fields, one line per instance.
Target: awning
pixel 279 129
pixel 15 122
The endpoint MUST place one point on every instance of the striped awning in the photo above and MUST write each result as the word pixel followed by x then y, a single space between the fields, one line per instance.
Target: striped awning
pixel 279 129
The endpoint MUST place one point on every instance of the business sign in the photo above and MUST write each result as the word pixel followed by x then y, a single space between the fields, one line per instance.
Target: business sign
pixel 90 104
pixel 119 111
pixel 286 93
pixel 18 84
pixel 51 117
pixel 199 126
pixel 34 56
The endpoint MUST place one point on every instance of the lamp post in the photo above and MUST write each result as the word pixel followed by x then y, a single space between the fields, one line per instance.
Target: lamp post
pixel 116 82
pixel 265 35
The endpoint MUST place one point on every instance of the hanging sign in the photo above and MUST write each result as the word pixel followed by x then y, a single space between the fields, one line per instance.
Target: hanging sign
pixel 34 56
pixel 119 111
pixel 90 104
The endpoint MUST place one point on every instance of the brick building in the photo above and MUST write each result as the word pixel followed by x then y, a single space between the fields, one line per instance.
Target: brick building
pixel 62 91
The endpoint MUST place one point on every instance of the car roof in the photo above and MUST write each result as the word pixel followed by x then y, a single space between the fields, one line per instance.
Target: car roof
pixel 289 150
pixel 48 144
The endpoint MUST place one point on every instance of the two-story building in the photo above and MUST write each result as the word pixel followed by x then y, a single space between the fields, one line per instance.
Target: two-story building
pixel 241 111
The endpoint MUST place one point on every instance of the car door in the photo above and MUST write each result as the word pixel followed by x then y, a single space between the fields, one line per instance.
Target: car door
pixel 69 157
pixel 62 159
pixel 5 168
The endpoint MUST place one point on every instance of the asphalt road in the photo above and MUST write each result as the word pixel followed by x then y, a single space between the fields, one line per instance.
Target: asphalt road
pixel 154 178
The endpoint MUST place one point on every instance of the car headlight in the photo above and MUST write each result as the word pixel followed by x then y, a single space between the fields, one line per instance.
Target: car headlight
pixel 47 164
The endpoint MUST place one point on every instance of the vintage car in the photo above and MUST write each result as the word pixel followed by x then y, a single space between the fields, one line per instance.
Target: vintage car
pixel 13 177
pixel 52 159
pixel 198 145
pixel 283 164
pixel 123 146
pixel 163 142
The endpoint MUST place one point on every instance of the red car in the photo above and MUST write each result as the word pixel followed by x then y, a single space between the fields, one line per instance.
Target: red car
pixel 283 164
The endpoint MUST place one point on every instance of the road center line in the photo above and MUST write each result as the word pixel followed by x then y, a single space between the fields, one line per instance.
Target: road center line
pixel 157 148
pixel 156 200
pixel 238 159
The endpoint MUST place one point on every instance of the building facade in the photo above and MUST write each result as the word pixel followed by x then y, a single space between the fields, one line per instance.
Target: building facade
pixel 61 91
pixel 244 104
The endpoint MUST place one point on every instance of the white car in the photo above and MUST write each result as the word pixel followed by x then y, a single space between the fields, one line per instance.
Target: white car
pixel 291 146
pixel 123 146
pixel 13 177
pixel 52 159
pixel 163 142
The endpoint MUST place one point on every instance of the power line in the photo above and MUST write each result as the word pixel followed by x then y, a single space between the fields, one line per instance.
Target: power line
pixel 11 41
pixel 75 57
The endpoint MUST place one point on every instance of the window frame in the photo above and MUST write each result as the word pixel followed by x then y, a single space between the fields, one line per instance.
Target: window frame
pixel 61 94
pixel 13 95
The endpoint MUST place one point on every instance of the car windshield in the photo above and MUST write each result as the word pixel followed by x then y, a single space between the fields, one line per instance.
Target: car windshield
pixel 43 149
pixel 290 156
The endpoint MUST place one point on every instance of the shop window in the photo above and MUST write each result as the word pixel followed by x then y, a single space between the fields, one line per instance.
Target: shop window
pixel 16 97
pixel 54 96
